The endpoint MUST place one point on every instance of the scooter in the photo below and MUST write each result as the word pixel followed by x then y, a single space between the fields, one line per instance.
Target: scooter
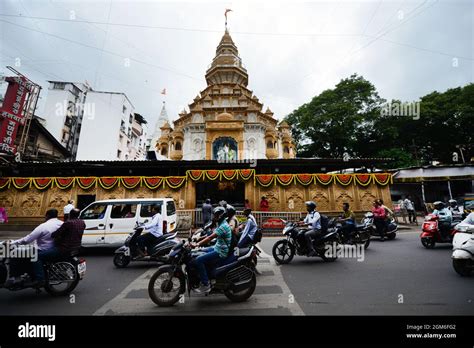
pixel 159 252
pixel 61 275
pixel 463 249
pixel 360 233
pixel 430 232
pixel 368 223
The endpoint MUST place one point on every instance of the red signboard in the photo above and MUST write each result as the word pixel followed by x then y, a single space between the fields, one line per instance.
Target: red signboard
pixel 273 224
pixel 11 112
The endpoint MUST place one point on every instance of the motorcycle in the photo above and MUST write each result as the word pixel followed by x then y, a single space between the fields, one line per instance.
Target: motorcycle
pixel 360 233
pixel 234 276
pixel 203 232
pixel 61 275
pixel 129 251
pixel 390 230
pixel 463 249
pixel 295 243
pixel 431 234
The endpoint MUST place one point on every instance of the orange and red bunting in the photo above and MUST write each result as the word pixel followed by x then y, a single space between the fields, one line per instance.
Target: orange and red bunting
pixel 64 183
pixel 246 174
pixel 86 183
pixel 344 179
pixel 130 182
pixel 265 180
pixel 4 182
pixel 324 179
pixel 152 182
pixel 363 179
pixel 21 183
pixel 213 174
pixel 382 178
pixel 285 179
pixel 42 183
pixel 108 182
pixel 195 174
pixel 304 179
pixel 229 174
pixel 175 181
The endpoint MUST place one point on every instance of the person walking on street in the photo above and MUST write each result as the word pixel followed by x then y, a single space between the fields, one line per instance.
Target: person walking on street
pixel 67 209
pixel 409 206
pixel 206 212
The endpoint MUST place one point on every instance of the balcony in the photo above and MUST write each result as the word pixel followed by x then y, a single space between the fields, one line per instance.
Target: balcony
pixel 137 129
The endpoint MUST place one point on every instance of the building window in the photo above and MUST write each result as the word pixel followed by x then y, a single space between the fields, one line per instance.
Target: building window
pixel 164 152
pixel 124 108
pixel 130 119
pixel 59 85
pixel 269 144
pixel 119 153
pixel 287 149
pixel 177 147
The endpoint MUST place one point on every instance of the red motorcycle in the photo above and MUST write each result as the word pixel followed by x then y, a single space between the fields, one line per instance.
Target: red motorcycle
pixel 431 233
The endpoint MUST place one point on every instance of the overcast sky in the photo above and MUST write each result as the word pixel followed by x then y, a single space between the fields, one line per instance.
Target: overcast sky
pixel 292 50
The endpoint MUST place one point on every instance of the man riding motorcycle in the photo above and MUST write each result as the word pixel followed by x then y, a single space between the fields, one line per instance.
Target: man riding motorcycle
pixel 216 253
pixel 45 244
pixel 155 230
pixel 444 218
pixel 348 220
pixel 456 210
pixel 313 221
pixel 249 230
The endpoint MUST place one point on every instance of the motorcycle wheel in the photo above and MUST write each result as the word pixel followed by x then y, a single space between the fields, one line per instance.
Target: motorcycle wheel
pixel 61 279
pixel 121 260
pixel 391 236
pixel 283 252
pixel 462 267
pixel 165 288
pixel 329 259
pixel 428 243
pixel 367 243
pixel 243 295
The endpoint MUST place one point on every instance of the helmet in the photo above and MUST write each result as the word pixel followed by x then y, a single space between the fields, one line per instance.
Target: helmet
pixel 219 214
pixel 223 203
pixel 438 205
pixel 230 210
pixel 310 205
pixel 453 202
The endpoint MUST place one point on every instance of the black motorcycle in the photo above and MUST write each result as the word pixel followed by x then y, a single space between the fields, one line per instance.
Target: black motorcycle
pixel 234 276
pixel 129 251
pixel 360 233
pixel 390 231
pixel 61 275
pixel 295 243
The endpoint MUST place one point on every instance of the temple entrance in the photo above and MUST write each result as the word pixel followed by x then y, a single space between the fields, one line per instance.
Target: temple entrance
pixel 231 192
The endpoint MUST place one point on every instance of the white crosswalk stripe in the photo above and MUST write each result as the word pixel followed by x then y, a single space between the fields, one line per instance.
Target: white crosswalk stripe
pixel 272 297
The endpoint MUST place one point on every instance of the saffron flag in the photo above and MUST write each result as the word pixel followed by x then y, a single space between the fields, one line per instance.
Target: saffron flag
pixel 163 91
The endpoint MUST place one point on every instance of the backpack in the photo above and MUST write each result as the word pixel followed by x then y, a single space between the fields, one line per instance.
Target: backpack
pixel 324 223
pixel 257 238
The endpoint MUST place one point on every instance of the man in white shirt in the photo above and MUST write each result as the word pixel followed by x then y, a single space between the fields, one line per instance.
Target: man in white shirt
pixel 68 208
pixel 313 221
pixel 45 243
pixel 410 209
pixel 155 229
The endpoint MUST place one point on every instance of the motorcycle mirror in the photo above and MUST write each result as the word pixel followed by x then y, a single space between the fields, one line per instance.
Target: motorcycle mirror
pixel 145 221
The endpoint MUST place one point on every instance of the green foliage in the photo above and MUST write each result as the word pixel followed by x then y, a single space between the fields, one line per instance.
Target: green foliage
pixel 348 119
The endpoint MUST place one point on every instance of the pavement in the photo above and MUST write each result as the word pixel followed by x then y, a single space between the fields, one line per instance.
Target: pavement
pixel 398 277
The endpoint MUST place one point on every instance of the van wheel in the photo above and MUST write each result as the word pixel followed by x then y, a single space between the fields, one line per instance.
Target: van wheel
pixel 121 260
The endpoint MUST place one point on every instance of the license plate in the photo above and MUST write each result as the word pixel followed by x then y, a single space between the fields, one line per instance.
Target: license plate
pixel 81 269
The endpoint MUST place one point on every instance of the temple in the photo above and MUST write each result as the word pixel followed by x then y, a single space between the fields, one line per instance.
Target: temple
pixel 225 122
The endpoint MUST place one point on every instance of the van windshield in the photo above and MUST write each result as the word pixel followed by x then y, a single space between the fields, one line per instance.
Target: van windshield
pixel 95 211
pixel 146 209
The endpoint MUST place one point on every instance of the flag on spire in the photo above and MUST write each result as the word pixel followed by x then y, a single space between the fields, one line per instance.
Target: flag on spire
pixel 225 14
pixel 163 91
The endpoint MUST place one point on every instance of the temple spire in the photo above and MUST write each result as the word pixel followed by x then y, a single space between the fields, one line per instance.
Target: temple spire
pixel 225 14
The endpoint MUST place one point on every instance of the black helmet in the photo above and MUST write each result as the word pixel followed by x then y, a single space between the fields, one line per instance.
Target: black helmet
pixel 223 204
pixel 438 205
pixel 230 210
pixel 310 205
pixel 219 214
pixel 453 203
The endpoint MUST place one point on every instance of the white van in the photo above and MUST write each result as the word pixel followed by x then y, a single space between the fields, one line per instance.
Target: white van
pixel 109 222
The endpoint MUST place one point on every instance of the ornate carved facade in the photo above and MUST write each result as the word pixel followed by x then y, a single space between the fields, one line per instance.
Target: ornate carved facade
pixel 225 121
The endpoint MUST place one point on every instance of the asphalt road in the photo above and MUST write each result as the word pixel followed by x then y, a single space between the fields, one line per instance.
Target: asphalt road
pixel 391 272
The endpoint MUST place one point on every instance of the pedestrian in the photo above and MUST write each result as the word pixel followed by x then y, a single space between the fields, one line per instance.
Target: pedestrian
pixel 247 204
pixel 408 203
pixel 403 211
pixel 264 205
pixel 68 208
pixel 206 212
pixel 3 215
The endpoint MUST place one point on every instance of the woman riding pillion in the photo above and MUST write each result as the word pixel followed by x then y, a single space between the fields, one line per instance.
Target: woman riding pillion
pixel 214 254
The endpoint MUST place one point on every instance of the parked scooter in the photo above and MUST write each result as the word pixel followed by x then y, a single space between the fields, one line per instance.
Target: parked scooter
pixel 295 243
pixel 430 232
pixel 368 223
pixel 159 252
pixel 463 249
pixel 61 275
pixel 235 276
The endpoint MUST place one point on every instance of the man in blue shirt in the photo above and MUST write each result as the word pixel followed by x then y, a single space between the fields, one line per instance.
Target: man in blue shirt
pixel 249 231
pixel 444 218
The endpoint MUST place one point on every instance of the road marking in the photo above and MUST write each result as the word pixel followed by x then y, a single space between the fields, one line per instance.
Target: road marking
pixel 272 295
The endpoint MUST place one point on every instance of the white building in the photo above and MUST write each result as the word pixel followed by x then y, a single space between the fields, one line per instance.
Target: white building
pixel 98 125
